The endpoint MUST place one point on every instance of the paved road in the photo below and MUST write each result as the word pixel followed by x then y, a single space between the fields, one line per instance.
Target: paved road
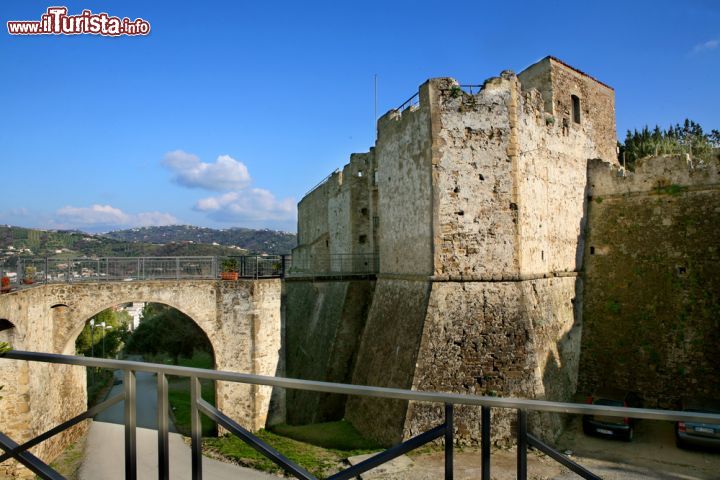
pixel 146 386
pixel 104 457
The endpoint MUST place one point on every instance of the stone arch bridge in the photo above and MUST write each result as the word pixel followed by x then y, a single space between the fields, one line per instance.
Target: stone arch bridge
pixel 240 318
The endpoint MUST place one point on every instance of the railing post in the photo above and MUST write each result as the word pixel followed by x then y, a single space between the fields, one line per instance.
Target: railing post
pixel 485 442
pixel 163 437
pixel 47 263
pixel 448 441
pixel 522 445
pixel 196 429
pixel 130 424
pixel 177 268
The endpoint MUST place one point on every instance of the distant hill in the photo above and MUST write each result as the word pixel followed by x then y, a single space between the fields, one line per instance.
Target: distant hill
pixel 254 241
pixel 151 241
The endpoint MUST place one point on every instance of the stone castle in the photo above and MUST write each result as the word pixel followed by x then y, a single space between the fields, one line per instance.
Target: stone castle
pixel 475 207
pixel 488 244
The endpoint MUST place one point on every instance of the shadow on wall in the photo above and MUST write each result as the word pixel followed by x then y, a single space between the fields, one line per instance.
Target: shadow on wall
pixel 562 364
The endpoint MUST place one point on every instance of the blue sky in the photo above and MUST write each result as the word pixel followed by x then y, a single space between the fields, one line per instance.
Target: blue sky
pixel 228 112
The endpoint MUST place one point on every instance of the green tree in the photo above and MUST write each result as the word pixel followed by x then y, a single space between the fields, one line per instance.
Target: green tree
pixel 91 340
pixel 164 329
pixel 677 139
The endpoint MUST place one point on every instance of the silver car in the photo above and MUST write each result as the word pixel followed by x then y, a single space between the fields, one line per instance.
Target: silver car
pixel 692 434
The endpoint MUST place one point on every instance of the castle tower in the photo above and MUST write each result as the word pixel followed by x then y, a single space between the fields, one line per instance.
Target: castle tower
pixel 480 210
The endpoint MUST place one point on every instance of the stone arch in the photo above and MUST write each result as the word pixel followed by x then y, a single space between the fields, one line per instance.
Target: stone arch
pixel 7 331
pixel 79 320
pixel 241 319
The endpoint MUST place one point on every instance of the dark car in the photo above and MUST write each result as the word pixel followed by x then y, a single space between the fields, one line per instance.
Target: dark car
pixel 608 426
pixel 696 434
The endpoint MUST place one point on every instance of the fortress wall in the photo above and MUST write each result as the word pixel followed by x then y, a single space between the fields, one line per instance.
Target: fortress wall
pixel 388 355
pixel 324 324
pixel 475 218
pixel 557 82
pixel 481 200
pixel 313 228
pixel 360 170
pixel 514 339
pixel 652 307
pixel 404 179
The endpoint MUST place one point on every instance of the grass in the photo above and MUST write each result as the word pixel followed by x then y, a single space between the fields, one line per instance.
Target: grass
pixel 103 382
pixel 339 440
pixel 179 398
pixel 69 462
pixel 179 391
pixel 335 435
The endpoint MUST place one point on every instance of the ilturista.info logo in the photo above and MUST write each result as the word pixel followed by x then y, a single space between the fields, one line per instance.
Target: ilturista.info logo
pixel 56 21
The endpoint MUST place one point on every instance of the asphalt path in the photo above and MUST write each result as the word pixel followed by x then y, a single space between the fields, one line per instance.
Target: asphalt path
pixel 105 445
pixel 146 398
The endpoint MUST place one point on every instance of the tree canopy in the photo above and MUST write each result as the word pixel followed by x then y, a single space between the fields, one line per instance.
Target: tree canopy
pixel 164 329
pixel 676 139
pixel 90 340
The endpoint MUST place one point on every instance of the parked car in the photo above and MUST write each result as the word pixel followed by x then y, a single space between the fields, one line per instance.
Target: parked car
pixel 698 434
pixel 608 426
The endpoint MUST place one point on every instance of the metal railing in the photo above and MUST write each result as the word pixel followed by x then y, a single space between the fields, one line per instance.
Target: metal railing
pixel 200 406
pixel 410 102
pixel 72 270
pixel 334 264
pixel 321 182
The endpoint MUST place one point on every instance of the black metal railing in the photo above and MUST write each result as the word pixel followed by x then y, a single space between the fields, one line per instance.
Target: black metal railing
pixel 32 271
pixel 410 102
pixel 334 264
pixel 200 406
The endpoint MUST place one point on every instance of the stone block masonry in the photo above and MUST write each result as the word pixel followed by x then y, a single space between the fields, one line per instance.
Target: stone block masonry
pixel 241 319
pixel 652 289
pixel 480 211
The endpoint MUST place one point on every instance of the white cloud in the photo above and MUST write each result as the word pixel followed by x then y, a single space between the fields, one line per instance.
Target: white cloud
pixel 109 216
pixel 249 205
pixel 223 175
pixel 705 46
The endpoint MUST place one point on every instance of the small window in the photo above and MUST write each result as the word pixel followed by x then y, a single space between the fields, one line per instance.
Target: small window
pixel 363 239
pixel 364 211
pixel 592 250
pixel 576 108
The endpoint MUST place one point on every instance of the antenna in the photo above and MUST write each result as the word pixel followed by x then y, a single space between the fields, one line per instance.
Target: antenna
pixel 375 113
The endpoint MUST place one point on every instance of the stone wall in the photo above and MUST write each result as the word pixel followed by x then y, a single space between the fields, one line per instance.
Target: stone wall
pixel 324 323
pixel 652 302
pixel 241 320
pixel 336 219
pixel 404 179
pixel 388 355
pixel 481 207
